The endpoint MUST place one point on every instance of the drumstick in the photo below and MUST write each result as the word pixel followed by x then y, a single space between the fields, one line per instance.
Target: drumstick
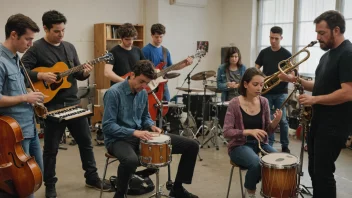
pixel 262 150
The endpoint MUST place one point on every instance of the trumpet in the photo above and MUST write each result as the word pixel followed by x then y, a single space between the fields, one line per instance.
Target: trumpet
pixel 273 80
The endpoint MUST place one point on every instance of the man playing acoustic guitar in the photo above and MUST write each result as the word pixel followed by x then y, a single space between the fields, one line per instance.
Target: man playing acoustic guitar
pixel 47 52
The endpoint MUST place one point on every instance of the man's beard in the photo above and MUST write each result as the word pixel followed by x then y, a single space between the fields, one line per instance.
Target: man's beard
pixel 329 44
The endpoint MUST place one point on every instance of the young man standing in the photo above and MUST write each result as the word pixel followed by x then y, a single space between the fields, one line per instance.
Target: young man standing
pixel 269 59
pixel 157 53
pixel 47 52
pixel 15 101
pixel 125 54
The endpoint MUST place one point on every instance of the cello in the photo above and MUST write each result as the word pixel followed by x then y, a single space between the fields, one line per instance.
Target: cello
pixel 20 174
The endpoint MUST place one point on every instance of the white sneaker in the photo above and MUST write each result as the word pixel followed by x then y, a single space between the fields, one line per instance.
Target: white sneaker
pixel 249 195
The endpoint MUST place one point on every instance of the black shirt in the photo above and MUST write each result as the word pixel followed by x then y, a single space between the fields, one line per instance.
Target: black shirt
pixel 270 59
pixel 124 60
pixel 252 121
pixel 43 54
pixel 335 67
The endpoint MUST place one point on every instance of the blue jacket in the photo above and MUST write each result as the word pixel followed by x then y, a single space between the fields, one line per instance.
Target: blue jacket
pixel 222 80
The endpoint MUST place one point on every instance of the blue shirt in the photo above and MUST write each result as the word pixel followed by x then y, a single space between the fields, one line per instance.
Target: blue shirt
pixel 155 54
pixel 124 112
pixel 12 84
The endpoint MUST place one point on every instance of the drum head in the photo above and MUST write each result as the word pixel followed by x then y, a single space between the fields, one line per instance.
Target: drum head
pixel 280 160
pixel 159 139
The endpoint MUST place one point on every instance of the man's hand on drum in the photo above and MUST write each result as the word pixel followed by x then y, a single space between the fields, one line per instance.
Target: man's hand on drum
pixel 144 135
pixel 256 133
pixel 156 129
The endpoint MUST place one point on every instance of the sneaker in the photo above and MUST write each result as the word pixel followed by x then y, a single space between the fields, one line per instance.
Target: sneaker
pixel 181 193
pixel 97 185
pixel 50 191
pixel 249 195
pixel 286 150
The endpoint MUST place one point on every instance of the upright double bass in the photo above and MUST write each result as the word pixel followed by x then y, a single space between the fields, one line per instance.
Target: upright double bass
pixel 20 174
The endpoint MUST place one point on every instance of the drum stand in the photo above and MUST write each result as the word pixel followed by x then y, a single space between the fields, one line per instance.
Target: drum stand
pixel 304 119
pixel 215 131
pixel 189 106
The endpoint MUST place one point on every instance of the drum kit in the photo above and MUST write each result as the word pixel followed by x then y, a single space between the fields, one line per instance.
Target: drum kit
pixel 201 106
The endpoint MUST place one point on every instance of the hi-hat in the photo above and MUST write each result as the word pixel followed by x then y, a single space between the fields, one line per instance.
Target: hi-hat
pixel 214 89
pixel 203 75
pixel 189 90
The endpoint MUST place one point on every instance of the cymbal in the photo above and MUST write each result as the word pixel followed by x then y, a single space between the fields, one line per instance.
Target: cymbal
pixel 190 90
pixel 203 75
pixel 171 75
pixel 214 89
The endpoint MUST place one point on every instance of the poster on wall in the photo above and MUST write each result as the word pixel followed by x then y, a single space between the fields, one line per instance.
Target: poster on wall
pixel 203 45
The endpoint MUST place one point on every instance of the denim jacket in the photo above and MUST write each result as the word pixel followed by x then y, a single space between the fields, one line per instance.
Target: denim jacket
pixel 222 80
pixel 124 112
pixel 12 84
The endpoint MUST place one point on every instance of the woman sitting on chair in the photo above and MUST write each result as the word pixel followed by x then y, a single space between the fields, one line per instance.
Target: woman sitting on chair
pixel 248 122
pixel 230 74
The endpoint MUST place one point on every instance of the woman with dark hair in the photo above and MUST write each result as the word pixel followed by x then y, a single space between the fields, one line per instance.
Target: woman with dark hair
pixel 230 74
pixel 247 124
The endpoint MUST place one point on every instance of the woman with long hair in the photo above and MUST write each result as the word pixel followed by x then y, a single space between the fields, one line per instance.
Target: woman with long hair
pixel 230 74
pixel 247 124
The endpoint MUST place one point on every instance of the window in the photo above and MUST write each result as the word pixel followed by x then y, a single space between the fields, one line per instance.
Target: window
pixel 348 17
pixel 298 31
pixel 309 10
pixel 276 13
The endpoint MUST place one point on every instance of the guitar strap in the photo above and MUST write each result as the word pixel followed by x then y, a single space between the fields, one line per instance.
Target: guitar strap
pixel 69 60
pixel 164 55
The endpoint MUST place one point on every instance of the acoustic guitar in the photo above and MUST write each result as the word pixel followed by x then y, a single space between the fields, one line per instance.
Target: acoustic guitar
pixel 62 72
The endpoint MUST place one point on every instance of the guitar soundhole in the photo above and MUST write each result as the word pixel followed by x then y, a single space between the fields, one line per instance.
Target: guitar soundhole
pixel 54 86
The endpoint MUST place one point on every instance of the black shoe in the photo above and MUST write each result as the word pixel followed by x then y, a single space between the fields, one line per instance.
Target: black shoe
pixel 181 193
pixel 119 195
pixel 96 184
pixel 286 150
pixel 50 191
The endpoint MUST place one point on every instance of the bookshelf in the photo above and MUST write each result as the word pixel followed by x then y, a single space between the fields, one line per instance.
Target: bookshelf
pixel 105 38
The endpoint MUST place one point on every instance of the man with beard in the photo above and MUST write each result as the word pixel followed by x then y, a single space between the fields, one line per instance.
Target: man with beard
pixel 330 99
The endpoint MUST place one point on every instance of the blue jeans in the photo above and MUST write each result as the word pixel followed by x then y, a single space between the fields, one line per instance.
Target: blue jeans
pixel 246 156
pixel 31 147
pixel 276 100
pixel 166 96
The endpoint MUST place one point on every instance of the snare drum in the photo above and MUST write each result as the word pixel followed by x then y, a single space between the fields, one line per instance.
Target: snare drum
pixel 279 175
pixel 155 152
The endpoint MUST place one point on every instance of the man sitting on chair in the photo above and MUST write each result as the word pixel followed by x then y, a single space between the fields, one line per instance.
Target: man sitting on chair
pixel 127 120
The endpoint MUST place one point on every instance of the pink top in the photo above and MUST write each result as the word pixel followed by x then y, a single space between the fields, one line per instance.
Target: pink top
pixel 233 124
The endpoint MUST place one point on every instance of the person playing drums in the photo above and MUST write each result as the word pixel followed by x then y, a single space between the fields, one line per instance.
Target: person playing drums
pixel 247 122
pixel 126 121
pixel 230 74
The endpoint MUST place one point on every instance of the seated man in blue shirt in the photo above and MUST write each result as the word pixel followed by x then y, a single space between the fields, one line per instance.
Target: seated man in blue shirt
pixel 126 120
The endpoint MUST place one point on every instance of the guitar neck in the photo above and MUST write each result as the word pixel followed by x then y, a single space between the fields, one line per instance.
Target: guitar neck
pixel 170 68
pixel 80 67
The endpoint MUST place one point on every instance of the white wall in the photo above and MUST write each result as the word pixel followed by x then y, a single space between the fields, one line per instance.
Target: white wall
pixel 81 16
pixel 239 27
pixel 221 22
